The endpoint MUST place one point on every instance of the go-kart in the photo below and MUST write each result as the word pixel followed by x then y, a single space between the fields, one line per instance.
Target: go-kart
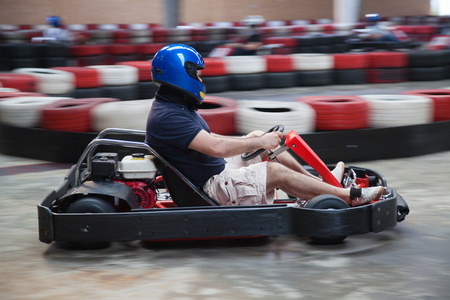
pixel 123 190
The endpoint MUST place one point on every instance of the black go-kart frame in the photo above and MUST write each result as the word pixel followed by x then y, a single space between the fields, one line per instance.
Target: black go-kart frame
pixel 101 202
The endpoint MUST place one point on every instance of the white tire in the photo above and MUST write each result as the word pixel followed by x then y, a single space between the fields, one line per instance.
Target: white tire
pixel 245 64
pixel 24 111
pixel 117 74
pixel 123 114
pixel 398 110
pixel 312 61
pixel 262 115
pixel 51 81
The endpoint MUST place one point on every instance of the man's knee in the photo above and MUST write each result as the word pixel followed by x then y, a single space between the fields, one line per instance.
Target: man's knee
pixel 276 172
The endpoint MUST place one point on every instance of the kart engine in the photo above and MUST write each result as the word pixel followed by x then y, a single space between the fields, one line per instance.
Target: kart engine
pixel 136 171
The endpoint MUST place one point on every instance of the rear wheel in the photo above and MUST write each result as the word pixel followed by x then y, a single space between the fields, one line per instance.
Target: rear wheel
pixel 327 202
pixel 89 205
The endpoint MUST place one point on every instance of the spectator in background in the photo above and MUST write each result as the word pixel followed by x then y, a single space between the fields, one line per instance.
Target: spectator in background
pixel 251 43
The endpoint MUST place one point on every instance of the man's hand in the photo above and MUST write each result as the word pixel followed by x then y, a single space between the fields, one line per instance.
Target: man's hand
pixel 271 140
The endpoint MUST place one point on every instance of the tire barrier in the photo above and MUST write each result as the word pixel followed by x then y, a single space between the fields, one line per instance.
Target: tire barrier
pixel 387 67
pixel 398 110
pixel 338 112
pixel 313 69
pixel 350 68
pixel 88 55
pixel 24 111
pixel 72 115
pixel 280 71
pixel 312 62
pixel 6 95
pixel 21 82
pixel 441 102
pixel 331 147
pixel 245 64
pixel 259 114
pixel 144 69
pixel 51 81
pixel 84 77
pixel 123 114
pixel 117 74
pixel 220 114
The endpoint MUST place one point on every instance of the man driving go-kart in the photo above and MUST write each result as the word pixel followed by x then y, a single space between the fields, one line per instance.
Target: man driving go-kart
pixel 213 162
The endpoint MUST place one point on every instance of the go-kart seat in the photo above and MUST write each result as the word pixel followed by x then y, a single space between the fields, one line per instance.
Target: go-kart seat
pixel 181 189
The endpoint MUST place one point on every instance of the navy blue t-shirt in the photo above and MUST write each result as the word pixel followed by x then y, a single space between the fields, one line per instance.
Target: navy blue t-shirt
pixel 171 127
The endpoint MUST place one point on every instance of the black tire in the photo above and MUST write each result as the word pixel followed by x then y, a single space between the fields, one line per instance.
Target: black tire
pixel 17 63
pixel 147 89
pixel 122 92
pixel 89 204
pixel 89 93
pixel 350 76
pixel 427 74
pixel 217 84
pixel 327 202
pixel 281 80
pixel 51 62
pixel 424 58
pixel 314 78
pixel 248 82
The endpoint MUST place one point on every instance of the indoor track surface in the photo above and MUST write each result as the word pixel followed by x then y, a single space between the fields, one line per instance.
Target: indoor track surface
pixel 411 261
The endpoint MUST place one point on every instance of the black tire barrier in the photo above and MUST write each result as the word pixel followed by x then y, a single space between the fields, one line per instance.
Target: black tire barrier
pixel 146 89
pixel 281 80
pixel 331 147
pixel 350 76
pixel 314 78
pixel 248 82
pixel 217 84
pixel 122 92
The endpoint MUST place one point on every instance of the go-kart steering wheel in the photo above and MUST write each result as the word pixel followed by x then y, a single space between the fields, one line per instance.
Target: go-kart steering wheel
pixel 249 155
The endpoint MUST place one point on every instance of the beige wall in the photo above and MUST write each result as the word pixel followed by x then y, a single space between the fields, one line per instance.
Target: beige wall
pixel 152 11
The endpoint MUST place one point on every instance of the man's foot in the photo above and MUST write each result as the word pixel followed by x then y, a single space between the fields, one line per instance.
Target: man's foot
pixel 366 195
pixel 338 171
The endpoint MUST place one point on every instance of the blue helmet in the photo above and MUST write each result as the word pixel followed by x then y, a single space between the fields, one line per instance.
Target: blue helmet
pixel 54 21
pixel 176 65
pixel 373 18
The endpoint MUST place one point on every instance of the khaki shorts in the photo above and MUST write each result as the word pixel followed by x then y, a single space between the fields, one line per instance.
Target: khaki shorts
pixel 241 183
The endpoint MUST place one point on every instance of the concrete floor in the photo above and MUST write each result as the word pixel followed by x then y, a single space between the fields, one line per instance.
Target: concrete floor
pixel 412 261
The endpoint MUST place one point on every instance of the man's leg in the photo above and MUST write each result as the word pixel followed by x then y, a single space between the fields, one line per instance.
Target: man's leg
pixel 299 184
pixel 306 187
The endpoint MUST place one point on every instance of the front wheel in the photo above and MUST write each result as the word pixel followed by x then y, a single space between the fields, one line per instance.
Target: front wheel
pixel 327 202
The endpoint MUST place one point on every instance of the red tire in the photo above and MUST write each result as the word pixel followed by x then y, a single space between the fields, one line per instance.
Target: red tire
pixel 220 114
pixel 279 63
pixel 441 100
pixel 84 77
pixel 338 112
pixel 214 67
pixel 345 61
pixel 387 59
pixel 144 69
pixel 21 82
pixel 73 115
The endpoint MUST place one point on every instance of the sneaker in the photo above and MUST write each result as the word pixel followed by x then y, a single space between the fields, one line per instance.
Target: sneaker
pixel 338 171
pixel 368 195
